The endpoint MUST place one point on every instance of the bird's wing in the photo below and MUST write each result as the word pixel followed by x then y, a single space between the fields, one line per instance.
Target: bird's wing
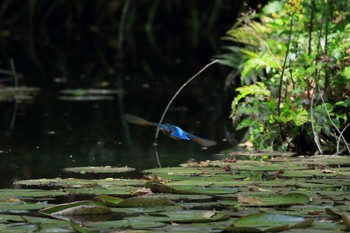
pixel 138 120
pixel 201 141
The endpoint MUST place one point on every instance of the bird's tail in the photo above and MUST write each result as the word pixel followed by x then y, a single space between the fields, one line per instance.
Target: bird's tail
pixel 203 142
pixel 138 120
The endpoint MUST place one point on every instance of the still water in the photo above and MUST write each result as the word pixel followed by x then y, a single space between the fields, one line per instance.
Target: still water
pixel 52 133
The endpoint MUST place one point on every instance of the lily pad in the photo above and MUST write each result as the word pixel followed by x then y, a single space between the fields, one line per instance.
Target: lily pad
pixel 106 169
pixel 185 216
pixel 69 182
pixel 77 208
pixel 275 200
pixel 146 201
pixel 269 222
pixel 20 193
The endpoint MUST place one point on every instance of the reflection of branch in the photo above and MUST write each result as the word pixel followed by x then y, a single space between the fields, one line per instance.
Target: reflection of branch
pixel 157 156
pixel 316 137
pixel 178 91
pixel 330 119
pixel 121 29
pixel 15 80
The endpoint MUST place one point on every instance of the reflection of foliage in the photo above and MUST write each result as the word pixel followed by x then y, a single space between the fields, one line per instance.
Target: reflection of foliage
pixel 80 43
pixel 307 96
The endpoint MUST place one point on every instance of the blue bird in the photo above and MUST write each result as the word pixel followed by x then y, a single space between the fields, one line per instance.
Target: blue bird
pixel 172 131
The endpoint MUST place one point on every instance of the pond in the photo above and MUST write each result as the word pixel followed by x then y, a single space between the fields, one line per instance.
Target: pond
pixel 63 127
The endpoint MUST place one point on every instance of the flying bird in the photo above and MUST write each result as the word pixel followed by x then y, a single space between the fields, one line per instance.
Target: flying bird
pixel 172 131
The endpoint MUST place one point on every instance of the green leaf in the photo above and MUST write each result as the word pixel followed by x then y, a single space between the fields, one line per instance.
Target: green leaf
pixel 109 200
pixel 343 103
pixel 278 200
pixel 146 201
pixel 301 117
pixel 106 169
pixel 271 222
pixel 77 227
pixel 77 208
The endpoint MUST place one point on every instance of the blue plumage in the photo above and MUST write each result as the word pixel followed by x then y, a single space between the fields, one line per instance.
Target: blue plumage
pixel 172 131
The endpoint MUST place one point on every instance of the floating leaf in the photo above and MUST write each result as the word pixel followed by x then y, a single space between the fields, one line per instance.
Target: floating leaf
pixel 125 223
pixel 213 190
pixel 158 187
pixel 108 200
pixel 6 193
pixel 269 222
pixel 77 227
pixel 275 200
pixel 146 201
pixel 69 182
pixel 77 208
pixel 184 216
pixel 106 169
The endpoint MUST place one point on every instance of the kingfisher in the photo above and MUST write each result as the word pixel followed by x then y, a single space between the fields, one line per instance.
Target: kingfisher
pixel 172 131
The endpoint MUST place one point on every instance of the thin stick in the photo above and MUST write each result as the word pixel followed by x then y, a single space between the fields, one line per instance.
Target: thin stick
pixel 14 73
pixel 173 98
pixel 330 119
pixel 338 141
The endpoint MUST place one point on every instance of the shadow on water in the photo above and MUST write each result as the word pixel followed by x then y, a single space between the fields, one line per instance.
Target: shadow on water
pixel 53 133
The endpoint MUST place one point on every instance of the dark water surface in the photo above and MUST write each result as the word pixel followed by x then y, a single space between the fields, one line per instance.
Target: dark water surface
pixel 51 134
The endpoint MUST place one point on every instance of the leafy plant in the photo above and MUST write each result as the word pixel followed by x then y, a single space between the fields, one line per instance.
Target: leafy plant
pixel 293 60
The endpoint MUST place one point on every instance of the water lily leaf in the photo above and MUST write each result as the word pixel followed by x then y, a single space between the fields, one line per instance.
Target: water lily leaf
pixel 126 223
pixel 213 190
pixel 183 216
pixel 12 207
pixel 120 190
pixel 19 193
pixel 77 227
pixel 189 197
pixel 306 173
pixel 269 222
pixel 106 169
pixel 275 200
pixel 69 182
pixel 108 200
pixel 143 210
pixel 146 201
pixel 77 208
pixel 19 227
pixel 158 187
pixel 193 216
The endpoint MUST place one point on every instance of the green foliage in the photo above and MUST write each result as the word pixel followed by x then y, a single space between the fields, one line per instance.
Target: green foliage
pixel 294 62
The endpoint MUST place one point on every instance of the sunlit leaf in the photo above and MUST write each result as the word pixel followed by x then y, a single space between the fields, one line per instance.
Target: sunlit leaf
pixel 77 208
pixel 146 201
pixel 270 222
pixel 106 169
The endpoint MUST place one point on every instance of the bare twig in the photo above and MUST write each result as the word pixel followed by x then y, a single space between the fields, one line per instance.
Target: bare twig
pixel 178 91
pixel 338 141
pixel 330 119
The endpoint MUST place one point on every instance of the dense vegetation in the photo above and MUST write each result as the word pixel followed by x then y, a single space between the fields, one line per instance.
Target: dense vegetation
pixel 293 59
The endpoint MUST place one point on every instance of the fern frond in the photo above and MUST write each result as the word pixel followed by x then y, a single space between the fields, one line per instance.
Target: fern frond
pixel 248 34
